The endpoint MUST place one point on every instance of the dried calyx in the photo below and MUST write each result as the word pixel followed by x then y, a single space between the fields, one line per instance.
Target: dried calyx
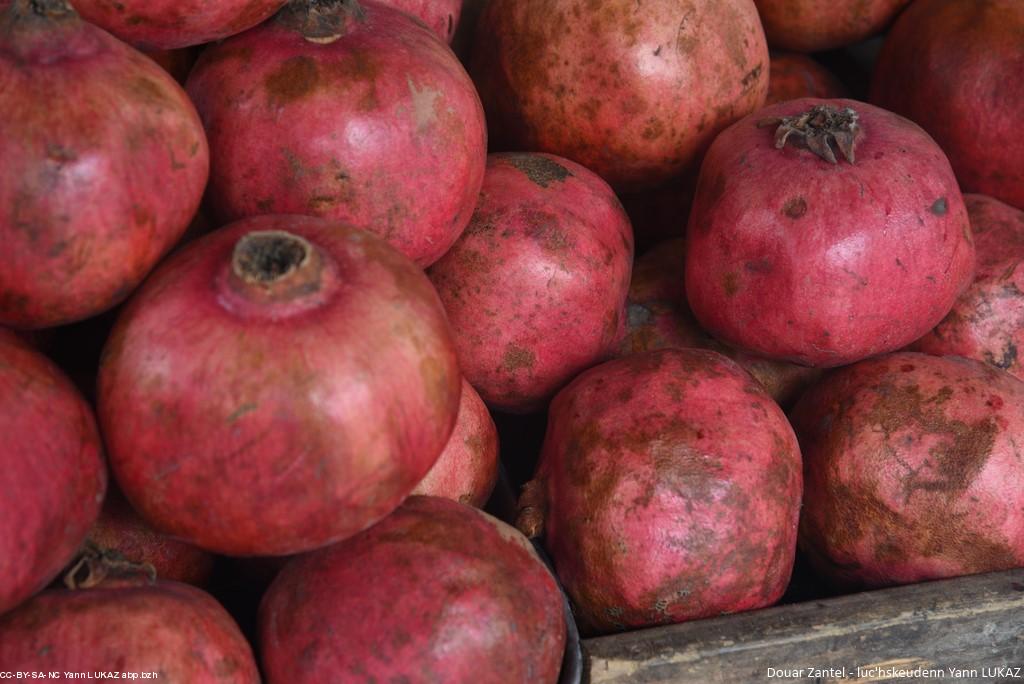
pixel 322 21
pixel 268 256
pixel 97 564
pixel 818 130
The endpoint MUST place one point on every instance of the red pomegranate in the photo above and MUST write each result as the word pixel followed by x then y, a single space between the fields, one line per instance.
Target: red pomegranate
pixel 120 529
pixel 824 232
pixel 987 322
pixel 172 630
pixel 912 470
pixel 467 469
pixel 955 68
pixel 51 471
pixel 794 76
pixel 349 111
pixel 277 385
pixel 815 25
pixel 668 490
pixel 104 165
pixel 442 16
pixel 535 288
pixel 437 591
pixel 633 91
pixel 170 24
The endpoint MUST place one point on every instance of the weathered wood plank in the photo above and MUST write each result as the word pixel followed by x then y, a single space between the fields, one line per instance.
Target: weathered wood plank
pixel 970 622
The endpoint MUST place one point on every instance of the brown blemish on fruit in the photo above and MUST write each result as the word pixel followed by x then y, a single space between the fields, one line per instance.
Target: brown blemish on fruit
pixel 295 79
pixel 730 283
pixel 517 358
pixel 795 207
pixel 540 170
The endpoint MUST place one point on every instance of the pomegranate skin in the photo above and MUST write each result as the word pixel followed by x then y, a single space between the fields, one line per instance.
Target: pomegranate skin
pixel 634 92
pixel 658 317
pixel 171 24
pixel 535 287
pixel 178 63
pixel 467 469
pixel 816 25
pixel 793 258
pixel 912 471
pixel 442 16
pixel 119 528
pixel 360 130
pixel 169 628
pixel 794 76
pixel 987 322
pixel 668 490
pixel 309 404
pixel 104 165
pixel 51 470
pixel 954 68
pixel 454 596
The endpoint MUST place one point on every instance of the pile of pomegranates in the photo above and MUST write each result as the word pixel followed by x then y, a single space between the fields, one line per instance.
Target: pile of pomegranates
pixel 406 340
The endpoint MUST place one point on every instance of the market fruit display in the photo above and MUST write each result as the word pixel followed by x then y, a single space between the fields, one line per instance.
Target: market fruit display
pixel 104 166
pixel 815 25
pixel 467 469
pixel 277 385
pixel 442 592
pixel 356 113
pixel 987 322
pixel 170 24
pixel 633 91
pixel 668 489
pixel 794 75
pixel 128 625
pixel 52 473
pixel 536 286
pixel 954 68
pixel 824 232
pixel 912 470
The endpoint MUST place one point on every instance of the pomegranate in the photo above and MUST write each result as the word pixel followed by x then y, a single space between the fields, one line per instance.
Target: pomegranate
pixel 121 530
pixel 987 322
pixel 170 24
pixel 815 25
pixel 668 490
pixel 128 626
pixel 441 592
pixel 277 385
pixel 178 63
pixel 51 471
pixel 467 469
pixel 442 16
pixel 794 76
pixel 794 255
pixel 954 68
pixel 536 286
pixel 633 91
pixel 349 111
pixel 658 317
pixel 104 165
pixel 912 469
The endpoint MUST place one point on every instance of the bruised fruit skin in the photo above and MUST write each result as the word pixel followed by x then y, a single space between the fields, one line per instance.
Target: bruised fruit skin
pixel 954 68
pixel 452 595
pixel 442 16
pixel 277 385
pixel 51 471
pixel 794 258
pixel 535 287
pixel 367 119
pixel 816 25
pixel 633 91
pixel 668 490
pixel 104 165
pixel 794 76
pixel 171 24
pixel 170 628
pixel 658 317
pixel 987 322
pixel 120 529
pixel 912 470
pixel 467 469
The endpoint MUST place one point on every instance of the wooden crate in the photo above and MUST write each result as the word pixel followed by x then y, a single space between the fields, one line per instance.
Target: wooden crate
pixel 971 623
